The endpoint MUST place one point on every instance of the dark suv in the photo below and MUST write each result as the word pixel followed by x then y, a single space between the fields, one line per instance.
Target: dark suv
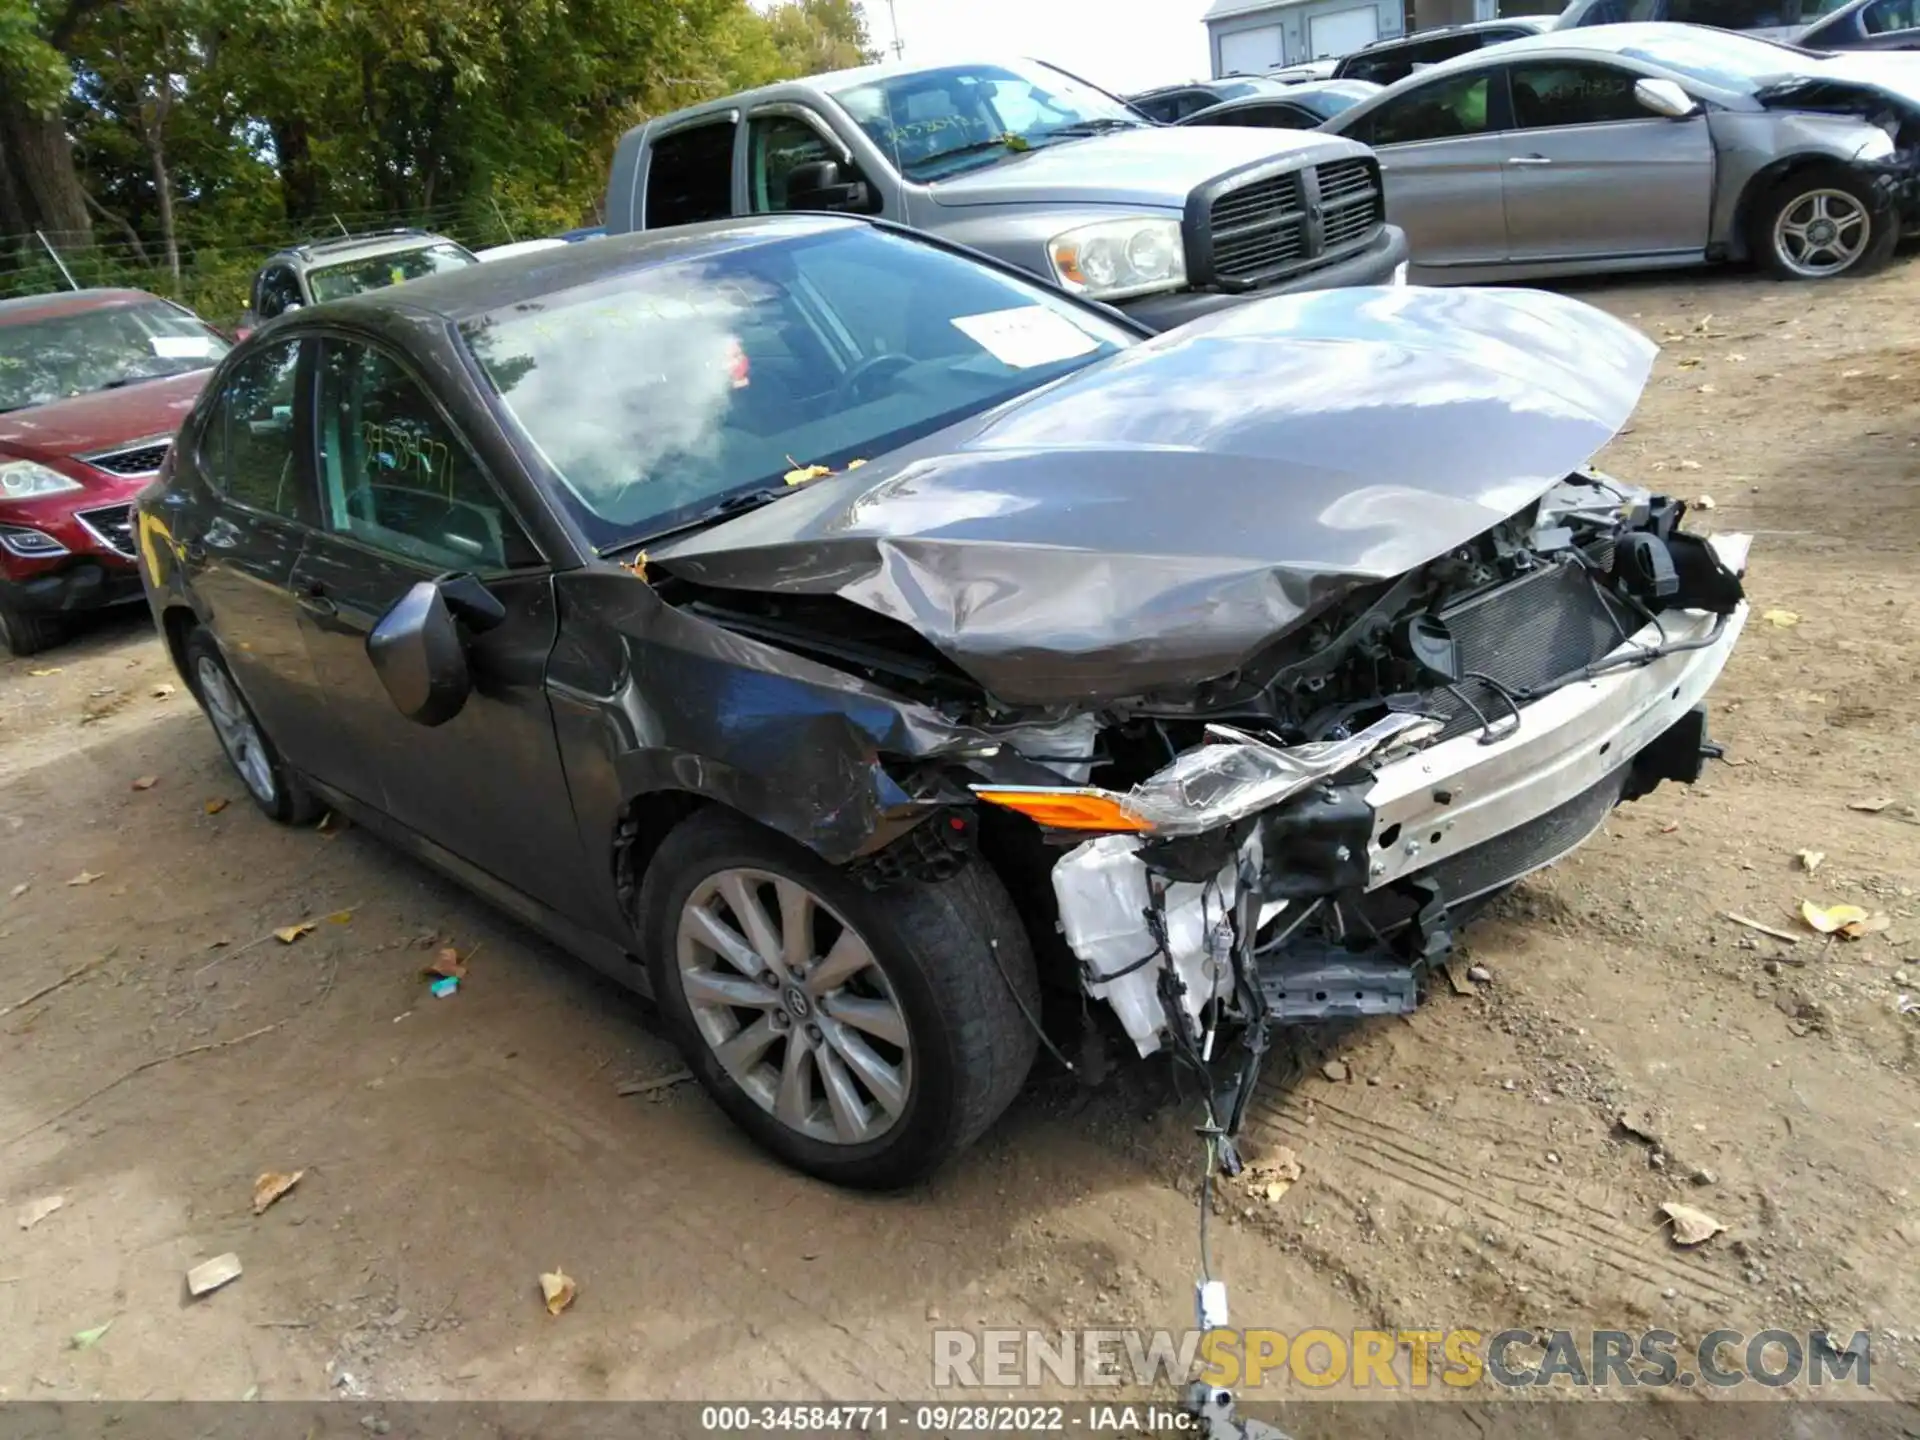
pixel 93 383
pixel 1386 61
pixel 334 269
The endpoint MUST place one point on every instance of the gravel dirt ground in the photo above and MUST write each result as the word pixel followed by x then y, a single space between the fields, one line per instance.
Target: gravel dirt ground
pixel 1466 1166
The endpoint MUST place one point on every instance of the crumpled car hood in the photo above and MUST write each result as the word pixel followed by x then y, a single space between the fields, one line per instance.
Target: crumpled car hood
pixel 1157 518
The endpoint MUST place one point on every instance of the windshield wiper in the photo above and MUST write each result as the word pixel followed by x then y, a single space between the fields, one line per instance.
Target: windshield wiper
pixel 725 509
pixel 1007 140
pixel 1100 126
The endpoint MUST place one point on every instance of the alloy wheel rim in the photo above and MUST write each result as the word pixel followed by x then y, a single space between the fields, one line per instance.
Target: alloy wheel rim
pixel 795 1006
pixel 1822 233
pixel 239 736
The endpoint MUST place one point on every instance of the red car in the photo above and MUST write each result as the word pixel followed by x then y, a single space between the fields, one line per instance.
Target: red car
pixel 93 384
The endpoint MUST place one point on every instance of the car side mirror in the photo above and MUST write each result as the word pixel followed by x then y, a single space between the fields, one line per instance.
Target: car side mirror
pixel 818 185
pixel 417 652
pixel 1665 97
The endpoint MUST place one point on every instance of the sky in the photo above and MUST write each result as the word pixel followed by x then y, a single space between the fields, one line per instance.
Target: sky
pixel 1127 46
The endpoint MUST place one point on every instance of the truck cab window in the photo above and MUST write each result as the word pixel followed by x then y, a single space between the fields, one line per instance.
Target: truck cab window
pixel 690 176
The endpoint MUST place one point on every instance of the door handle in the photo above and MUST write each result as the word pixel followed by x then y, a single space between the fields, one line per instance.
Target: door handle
pixel 314 598
pixel 1528 160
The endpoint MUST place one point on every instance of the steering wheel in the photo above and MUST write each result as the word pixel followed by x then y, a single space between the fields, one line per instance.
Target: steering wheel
pixel 875 367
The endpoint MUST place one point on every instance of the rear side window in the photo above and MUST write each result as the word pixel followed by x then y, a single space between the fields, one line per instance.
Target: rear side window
pixel 1444 110
pixel 690 176
pixel 247 448
pixel 1889 16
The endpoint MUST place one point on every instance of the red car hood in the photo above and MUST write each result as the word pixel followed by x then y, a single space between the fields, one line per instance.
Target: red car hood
pixel 87 424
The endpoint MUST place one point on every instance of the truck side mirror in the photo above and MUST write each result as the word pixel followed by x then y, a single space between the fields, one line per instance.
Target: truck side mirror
pixel 818 185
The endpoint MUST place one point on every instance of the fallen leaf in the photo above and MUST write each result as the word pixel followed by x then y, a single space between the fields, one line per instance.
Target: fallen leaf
pixel 1689 464
pixel 216 805
pixel 1782 618
pixel 161 692
pixel 86 877
pixel 34 1212
pixel 1736 357
pixel 557 1289
pixel 1851 374
pixel 87 1339
pixel 19 890
pixel 146 782
pixel 212 1274
pixel 1810 859
pixel 1704 502
pixel 1832 918
pixel 271 1186
pixel 802 474
pixel 855 464
pixel 340 917
pixel 1690 1226
pixel 42 674
pixel 1275 1189
pixel 1870 807
pixel 1872 925
pixel 447 965
pixel 1709 390
pixel 287 934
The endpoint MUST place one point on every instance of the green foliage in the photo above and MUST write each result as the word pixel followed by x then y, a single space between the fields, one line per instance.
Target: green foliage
pixel 269 118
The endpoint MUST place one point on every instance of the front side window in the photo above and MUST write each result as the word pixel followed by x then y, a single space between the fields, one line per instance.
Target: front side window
pixel 105 348
pixel 937 123
pixel 279 290
pixel 376 272
pixel 1553 93
pixel 1889 16
pixel 653 395
pixel 776 146
pixel 247 447
pixel 1444 110
pixel 690 175
pixel 396 477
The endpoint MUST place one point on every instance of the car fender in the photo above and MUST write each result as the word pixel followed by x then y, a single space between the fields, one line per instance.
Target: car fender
pixel 1754 150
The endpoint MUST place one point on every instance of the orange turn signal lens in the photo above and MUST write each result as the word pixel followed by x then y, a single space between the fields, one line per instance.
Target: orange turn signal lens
pixel 1068 809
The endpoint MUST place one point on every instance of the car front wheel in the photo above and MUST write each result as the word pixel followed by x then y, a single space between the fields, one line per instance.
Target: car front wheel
pixel 25 632
pixel 1821 224
pixel 865 1037
pixel 274 788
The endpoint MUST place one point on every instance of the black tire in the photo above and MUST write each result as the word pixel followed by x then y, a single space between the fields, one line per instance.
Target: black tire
pixel 1785 196
pixel 28 632
pixel 972 1046
pixel 291 802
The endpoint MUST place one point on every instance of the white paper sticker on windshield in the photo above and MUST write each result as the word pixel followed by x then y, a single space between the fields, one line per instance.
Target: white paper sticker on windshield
pixel 181 347
pixel 1027 336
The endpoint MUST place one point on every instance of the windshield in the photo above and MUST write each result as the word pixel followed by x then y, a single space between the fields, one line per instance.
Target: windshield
pixel 655 395
pixel 101 349
pixel 372 272
pixel 935 123
pixel 1252 85
pixel 1741 63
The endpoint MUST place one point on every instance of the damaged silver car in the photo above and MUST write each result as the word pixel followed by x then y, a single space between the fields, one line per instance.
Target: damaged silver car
pixel 859 644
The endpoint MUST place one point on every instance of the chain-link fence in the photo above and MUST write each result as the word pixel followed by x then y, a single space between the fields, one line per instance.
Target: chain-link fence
pixel 216 271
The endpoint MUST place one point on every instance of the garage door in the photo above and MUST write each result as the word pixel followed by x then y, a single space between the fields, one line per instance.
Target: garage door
pixel 1250 52
pixel 1343 31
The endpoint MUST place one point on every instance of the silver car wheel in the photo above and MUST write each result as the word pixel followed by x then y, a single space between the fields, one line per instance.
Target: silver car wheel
pixel 239 736
pixel 795 1006
pixel 1821 233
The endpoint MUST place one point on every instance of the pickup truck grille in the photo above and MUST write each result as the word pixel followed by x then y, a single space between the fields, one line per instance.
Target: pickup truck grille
pixel 1270 225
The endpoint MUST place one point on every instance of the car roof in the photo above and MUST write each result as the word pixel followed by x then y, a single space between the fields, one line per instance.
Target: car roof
pixel 68 302
pixel 1608 40
pixel 457 295
pixel 346 247
pixel 832 81
pixel 1536 23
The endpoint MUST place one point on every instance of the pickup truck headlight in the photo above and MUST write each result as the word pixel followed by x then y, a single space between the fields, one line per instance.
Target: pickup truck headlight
pixel 1112 259
pixel 28 480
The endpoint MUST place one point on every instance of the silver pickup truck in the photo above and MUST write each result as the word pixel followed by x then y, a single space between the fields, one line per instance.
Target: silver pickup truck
pixel 1036 168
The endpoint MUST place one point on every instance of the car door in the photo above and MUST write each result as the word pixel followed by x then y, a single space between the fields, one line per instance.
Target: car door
pixel 402 499
pixel 1441 152
pixel 240 533
pixel 1591 173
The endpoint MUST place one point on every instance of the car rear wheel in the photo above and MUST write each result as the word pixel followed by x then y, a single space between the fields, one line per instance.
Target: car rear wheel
pixel 274 788
pixel 864 1037
pixel 1820 224
pixel 25 632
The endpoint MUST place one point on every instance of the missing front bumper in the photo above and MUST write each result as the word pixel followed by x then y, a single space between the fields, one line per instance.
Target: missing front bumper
pixel 1398 859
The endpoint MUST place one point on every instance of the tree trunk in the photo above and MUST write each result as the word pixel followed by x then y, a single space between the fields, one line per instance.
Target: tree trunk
pixel 153 130
pixel 299 181
pixel 46 185
pixel 13 213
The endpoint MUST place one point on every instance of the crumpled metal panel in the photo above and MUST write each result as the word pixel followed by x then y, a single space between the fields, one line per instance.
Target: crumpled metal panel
pixel 1156 519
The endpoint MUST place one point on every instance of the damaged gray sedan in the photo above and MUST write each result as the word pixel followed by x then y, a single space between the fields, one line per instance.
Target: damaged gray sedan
pixel 856 644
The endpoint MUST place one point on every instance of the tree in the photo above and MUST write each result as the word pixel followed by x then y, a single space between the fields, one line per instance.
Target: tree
pixel 42 185
pixel 813 36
